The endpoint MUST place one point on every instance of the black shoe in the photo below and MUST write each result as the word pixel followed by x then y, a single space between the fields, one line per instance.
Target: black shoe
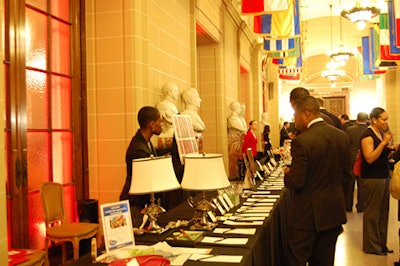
pixel 360 211
pixel 381 253
pixel 388 250
pixel 349 210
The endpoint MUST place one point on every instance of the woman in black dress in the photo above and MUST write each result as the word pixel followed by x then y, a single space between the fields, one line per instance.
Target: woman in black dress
pixel 266 141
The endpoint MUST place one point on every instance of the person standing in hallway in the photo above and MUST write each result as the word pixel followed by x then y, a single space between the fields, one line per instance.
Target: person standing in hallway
pixel 354 133
pixel 375 180
pixel 150 121
pixel 250 139
pixel 266 140
pixel 315 178
pixel 345 120
pixel 299 92
pixel 332 116
pixel 284 135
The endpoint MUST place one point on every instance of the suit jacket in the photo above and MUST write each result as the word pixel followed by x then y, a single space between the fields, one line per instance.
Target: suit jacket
pixel 283 136
pixel 320 165
pixel 138 148
pixel 335 119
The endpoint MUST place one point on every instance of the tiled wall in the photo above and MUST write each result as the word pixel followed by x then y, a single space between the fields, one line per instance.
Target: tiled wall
pixel 134 47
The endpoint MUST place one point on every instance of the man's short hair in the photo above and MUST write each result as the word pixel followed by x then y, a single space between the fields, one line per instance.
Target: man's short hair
pixel 362 117
pixel 307 103
pixel 320 101
pixel 146 115
pixel 297 93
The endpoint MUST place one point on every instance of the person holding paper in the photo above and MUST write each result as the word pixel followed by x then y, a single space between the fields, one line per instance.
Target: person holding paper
pixel 320 164
pixel 150 120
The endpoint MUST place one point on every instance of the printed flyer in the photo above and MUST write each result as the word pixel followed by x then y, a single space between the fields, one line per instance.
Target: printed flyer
pixel 117 225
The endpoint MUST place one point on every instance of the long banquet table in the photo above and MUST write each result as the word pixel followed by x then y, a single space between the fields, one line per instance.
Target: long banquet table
pixel 266 247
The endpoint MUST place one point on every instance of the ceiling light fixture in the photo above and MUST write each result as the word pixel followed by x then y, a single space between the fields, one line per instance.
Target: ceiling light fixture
pixel 360 15
pixel 332 74
pixel 341 53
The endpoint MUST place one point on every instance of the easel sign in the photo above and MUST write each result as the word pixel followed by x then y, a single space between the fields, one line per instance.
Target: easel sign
pixel 117 225
pixel 184 135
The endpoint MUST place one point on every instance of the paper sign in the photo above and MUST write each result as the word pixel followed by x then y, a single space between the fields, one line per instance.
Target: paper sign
pixel 117 225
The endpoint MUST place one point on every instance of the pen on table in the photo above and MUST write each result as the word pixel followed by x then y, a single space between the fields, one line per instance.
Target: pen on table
pixel 204 258
pixel 228 230
pixel 186 234
pixel 219 240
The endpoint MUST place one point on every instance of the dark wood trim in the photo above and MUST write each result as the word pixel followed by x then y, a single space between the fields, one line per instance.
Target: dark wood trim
pixel 84 121
pixel 79 110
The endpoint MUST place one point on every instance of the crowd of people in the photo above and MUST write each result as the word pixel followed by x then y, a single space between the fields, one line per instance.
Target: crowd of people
pixel 320 179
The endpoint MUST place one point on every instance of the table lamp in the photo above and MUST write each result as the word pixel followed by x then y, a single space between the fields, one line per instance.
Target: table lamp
pixel 203 172
pixel 151 175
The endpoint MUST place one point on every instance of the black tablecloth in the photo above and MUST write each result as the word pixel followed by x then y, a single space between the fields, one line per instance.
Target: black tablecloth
pixel 266 247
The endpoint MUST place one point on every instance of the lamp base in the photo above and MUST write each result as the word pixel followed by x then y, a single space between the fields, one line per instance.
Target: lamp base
pixel 154 231
pixel 151 213
pixel 204 227
pixel 201 221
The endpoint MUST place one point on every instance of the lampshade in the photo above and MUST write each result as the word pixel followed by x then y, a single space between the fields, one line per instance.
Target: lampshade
pixel 152 175
pixel 204 172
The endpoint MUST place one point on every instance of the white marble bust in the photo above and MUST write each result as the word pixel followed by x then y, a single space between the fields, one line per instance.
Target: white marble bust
pixel 235 121
pixel 167 107
pixel 192 101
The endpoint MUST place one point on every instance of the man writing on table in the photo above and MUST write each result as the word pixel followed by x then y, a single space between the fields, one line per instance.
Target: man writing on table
pixel 320 165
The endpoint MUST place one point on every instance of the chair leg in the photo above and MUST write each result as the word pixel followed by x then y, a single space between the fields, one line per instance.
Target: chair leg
pixel 98 238
pixel 46 245
pixel 75 245
pixel 63 253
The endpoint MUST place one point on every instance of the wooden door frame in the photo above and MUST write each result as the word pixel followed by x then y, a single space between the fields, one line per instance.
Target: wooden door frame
pixel 16 124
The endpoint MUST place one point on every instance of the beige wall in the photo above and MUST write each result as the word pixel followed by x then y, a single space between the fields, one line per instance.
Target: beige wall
pixel 134 47
pixel 392 92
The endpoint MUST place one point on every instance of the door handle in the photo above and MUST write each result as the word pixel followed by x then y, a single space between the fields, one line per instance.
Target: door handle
pixel 17 173
pixel 24 173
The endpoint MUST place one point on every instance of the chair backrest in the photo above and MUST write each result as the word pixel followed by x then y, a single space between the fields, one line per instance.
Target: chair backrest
pixel 52 202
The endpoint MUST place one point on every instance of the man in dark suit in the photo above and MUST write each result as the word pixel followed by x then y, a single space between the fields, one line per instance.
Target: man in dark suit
pixel 299 92
pixel 284 135
pixel 344 119
pixel 149 119
pixel 354 133
pixel 315 179
pixel 332 116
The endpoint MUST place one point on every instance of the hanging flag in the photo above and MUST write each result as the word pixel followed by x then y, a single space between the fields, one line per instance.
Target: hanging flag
pixel 374 45
pixel 384 38
pixel 397 21
pixel 360 68
pixel 394 49
pixel 290 68
pixel 289 76
pixel 279 24
pixel 367 54
pixel 283 47
pixel 255 7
